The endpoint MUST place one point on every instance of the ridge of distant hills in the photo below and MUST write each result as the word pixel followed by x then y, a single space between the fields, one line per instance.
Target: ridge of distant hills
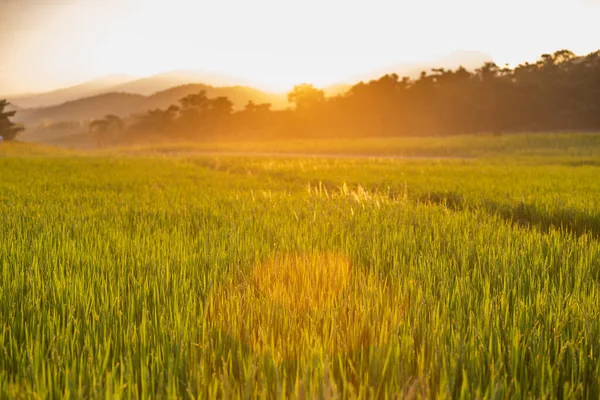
pixel 121 84
pixel 161 82
pixel 468 59
pixel 96 86
pixel 126 104
pixel 124 95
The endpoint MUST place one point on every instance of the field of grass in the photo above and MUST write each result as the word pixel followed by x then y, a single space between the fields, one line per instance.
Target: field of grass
pixel 140 275
pixel 580 145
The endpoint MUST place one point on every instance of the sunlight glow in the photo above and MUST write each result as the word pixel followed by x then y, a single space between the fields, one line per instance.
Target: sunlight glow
pixel 299 304
pixel 276 44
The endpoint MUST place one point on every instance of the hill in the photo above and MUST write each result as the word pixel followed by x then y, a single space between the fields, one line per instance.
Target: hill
pixel 122 84
pixel 164 81
pixel 59 96
pixel 471 60
pixel 87 108
pixel 126 104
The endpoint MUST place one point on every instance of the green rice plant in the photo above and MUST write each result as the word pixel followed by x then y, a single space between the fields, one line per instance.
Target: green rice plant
pixel 194 276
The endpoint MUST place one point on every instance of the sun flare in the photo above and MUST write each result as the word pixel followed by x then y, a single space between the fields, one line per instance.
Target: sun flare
pixel 297 304
pixel 272 44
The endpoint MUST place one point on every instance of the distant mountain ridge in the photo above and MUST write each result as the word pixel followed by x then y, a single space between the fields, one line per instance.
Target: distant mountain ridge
pixel 127 104
pixel 63 95
pixel 167 80
pixel 467 59
pixel 124 95
pixel 123 84
pixel 163 81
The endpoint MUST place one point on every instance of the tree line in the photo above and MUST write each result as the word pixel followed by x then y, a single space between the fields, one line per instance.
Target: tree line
pixel 561 91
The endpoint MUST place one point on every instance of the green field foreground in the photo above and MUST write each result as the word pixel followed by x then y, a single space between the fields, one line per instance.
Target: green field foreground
pixel 167 274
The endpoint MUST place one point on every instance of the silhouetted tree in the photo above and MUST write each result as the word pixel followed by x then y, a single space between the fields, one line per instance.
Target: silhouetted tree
pixel 220 106
pixel 157 120
pixel 8 129
pixel 252 108
pixel 102 128
pixel 254 118
pixel 306 97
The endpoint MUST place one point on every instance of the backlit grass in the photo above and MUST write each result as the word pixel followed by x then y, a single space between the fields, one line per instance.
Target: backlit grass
pixel 301 306
pixel 201 276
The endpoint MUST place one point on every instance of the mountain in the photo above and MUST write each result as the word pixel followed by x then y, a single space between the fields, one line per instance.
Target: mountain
pixel 83 109
pixel 122 84
pixel 164 89
pixel 127 104
pixel 468 59
pixel 70 93
pixel 161 82
pixel 164 81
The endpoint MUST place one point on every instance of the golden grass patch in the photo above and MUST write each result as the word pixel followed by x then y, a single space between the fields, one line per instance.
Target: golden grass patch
pixel 295 305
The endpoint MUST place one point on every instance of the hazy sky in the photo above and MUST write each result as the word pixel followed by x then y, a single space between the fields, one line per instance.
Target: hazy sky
pixel 273 43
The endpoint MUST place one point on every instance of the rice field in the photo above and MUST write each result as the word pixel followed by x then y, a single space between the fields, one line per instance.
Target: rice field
pixel 147 274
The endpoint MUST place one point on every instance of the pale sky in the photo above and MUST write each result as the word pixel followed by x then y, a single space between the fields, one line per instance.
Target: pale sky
pixel 274 44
